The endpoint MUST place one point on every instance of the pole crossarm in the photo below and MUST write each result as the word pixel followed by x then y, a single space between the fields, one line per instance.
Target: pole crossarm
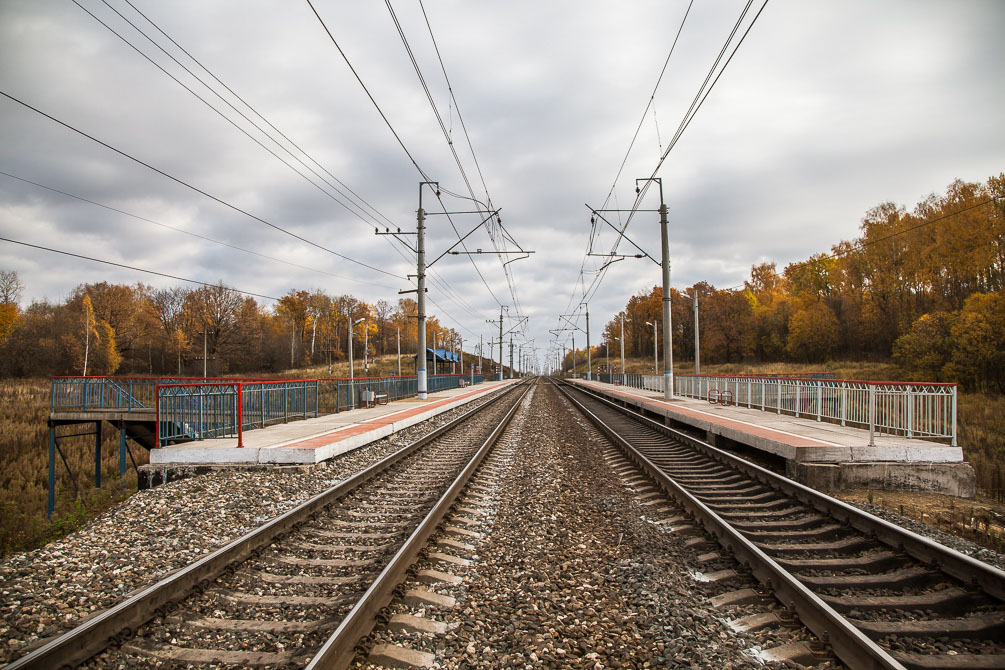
pixel 466 235
pixel 621 233
pixel 565 317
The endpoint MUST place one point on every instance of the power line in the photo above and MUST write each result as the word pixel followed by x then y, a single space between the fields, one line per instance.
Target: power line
pixel 196 189
pixel 131 267
pixel 218 111
pixel 367 91
pixel 359 198
pixel 189 233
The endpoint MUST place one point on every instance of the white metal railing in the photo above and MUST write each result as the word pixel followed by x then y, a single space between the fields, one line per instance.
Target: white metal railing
pixel 892 408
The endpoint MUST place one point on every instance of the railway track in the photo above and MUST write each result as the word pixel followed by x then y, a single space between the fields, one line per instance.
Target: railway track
pixel 273 597
pixel 879 595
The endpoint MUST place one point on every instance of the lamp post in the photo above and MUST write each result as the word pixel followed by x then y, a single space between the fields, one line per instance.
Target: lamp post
pixel 366 348
pixel 697 348
pixel 623 349
pixel 656 353
pixel 351 325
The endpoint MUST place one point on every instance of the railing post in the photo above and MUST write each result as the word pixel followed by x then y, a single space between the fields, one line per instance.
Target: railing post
pixel 317 397
pixel 820 401
pixel 910 412
pixel 798 388
pixel 954 416
pixel 240 417
pixel 844 402
pixel 97 454
pixel 778 405
pixel 52 471
pixel 872 415
pixel 202 427
pixel 157 417
pixel 122 450
pixel 286 403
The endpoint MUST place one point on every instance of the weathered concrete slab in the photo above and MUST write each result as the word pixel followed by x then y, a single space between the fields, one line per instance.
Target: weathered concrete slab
pixel 826 456
pixel 314 440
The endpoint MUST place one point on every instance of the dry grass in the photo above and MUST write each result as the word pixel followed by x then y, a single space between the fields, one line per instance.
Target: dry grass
pixel 24 455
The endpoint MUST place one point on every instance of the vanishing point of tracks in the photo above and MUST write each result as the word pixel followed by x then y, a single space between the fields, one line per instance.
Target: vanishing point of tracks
pixel 879 595
pixel 274 596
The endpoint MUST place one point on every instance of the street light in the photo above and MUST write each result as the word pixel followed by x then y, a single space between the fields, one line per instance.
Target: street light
pixel 351 325
pixel 656 353
pixel 623 348
pixel 697 349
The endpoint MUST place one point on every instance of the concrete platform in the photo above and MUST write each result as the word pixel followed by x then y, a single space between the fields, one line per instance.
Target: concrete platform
pixel 315 440
pixel 824 455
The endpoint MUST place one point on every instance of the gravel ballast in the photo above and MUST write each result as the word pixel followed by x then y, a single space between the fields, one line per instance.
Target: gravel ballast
pixel 156 531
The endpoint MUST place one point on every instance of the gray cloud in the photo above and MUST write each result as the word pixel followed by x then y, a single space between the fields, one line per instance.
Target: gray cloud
pixel 826 111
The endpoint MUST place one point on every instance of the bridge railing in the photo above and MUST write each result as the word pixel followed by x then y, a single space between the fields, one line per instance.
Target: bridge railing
pixel 120 393
pixel 891 408
pixel 204 410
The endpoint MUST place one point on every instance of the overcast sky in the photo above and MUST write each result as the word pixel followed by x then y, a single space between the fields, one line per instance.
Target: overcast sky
pixel 827 109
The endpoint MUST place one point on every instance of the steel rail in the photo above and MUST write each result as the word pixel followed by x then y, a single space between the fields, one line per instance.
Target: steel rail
pixel 954 563
pixel 848 642
pixel 118 623
pixel 340 649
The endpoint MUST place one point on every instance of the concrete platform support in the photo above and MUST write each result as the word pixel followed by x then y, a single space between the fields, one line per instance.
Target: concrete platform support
pixel 955 479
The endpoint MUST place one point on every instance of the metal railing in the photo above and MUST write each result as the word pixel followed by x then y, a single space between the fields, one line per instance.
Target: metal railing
pixel 119 393
pixel 198 411
pixel 886 408
pixel 891 408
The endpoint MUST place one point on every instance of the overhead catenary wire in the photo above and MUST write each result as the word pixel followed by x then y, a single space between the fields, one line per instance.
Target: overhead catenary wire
pixel 190 233
pixel 132 267
pixel 689 115
pixel 195 188
pixel 355 195
pixel 352 208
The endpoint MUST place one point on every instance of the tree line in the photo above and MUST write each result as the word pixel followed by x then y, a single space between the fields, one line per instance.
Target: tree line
pixel 106 329
pixel 923 288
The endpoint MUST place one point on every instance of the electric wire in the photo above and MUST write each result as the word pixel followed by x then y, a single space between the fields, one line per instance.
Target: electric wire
pixel 132 267
pixel 350 208
pixel 367 91
pixel 362 201
pixel 696 104
pixel 195 188
pixel 190 233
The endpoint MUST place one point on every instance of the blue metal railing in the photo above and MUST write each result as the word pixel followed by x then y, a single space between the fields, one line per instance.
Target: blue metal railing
pixel 197 411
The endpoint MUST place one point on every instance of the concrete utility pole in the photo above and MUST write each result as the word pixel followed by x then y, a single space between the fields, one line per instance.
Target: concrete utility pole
pixel 434 353
pixel 420 278
pixel 511 357
pixel 500 344
pixel 589 361
pixel 205 357
pixel 399 350
pixel 366 346
pixel 574 355
pixel 667 319
pixel 460 353
pixel 665 264
pixel 480 341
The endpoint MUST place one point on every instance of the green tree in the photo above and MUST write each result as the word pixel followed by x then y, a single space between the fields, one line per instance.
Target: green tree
pixel 927 348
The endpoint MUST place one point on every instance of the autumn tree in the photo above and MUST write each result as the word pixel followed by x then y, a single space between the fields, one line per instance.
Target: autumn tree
pixel 813 333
